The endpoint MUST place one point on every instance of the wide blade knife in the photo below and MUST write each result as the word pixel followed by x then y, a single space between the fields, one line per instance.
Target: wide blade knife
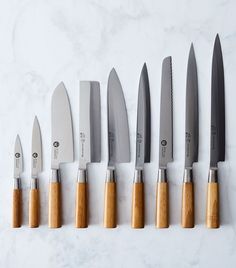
pixel 191 141
pixel 62 150
pixel 118 144
pixel 89 144
pixel 217 149
pixel 165 145
pixel 143 143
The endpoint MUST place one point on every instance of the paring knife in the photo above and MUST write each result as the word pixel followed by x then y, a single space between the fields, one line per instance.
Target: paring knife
pixel 17 192
pixel 36 168
pixel 89 144
pixel 143 143
pixel 191 142
pixel 118 144
pixel 61 149
pixel 217 149
pixel 165 145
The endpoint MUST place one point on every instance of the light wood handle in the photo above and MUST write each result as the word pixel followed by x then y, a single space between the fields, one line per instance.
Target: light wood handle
pixel 110 205
pixel 137 220
pixel 17 208
pixel 212 213
pixel 162 205
pixel 54 205
pixel 34 208
pixel 81 209
pixel 187 217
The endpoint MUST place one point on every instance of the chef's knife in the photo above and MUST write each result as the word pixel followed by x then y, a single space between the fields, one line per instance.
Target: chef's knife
pixel 36 168
pixel 165 145
pixel 17 192
pixel 61 149
pixel 217 150
pixel 143 142
pixel 191 141
pixel 89 144
pixel 118 144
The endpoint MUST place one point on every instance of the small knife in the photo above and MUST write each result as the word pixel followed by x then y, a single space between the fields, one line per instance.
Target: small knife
pixel 36 168
pixel 17 192
pixel 118 144
pixel 217 149
pixel 61 149
pixel 143 143
pixel 165 145
pixel 191 142
pixel 89 144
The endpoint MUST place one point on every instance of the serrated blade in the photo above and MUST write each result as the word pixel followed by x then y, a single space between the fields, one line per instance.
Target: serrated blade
pixel 18 158
pixel 143 134
pixel 118 129
pixel 191 114
pixel 62 133
pixel 89 123
pixel 217 107
pixel 166 115
pixel 36 153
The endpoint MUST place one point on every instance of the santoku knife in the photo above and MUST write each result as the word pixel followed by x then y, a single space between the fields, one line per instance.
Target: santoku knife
pixel 61 149
pixel 143 142
pixel 118 144
pixel 89 144
pixel 191 141
pixel 165 145
pixel 217 149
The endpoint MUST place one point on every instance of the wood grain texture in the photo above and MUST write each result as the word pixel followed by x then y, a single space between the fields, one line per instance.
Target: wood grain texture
pixel 212 213
pixel 110 205
pixel 34 208
pixel 162 205
pixel 137 219
pixel 187 215
pixel 54 212
pixel 17 208
pixel 81 206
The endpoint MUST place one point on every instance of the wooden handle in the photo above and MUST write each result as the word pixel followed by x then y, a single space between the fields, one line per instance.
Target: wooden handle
pixel 81 209
pixel 17 208
pixel 54 205
pixel 137 220
pixel 187 217
pixel 212 213
pixel 110 205
pixel 34 208
pixel 162 205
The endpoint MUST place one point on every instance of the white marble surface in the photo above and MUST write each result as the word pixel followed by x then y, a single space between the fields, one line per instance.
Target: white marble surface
pixel 44 42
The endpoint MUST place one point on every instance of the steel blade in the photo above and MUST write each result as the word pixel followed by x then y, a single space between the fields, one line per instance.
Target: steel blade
pixel 143 134
pixel 36 154
pixel 18 158
pixel 166 115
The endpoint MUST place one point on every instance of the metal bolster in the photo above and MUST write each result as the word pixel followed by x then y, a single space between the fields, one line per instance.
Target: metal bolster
pixel 82 176
pixel 213 176
pixel 55 175
pixel 110 175
pixel 138 176
pixel 162 175
pixel 188 175
pixel 17 183
pixel 34 183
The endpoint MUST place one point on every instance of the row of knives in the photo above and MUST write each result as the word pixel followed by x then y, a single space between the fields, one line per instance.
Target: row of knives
pixel 62 150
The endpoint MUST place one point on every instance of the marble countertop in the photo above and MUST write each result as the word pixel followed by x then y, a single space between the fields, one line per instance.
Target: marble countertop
pixel 45 42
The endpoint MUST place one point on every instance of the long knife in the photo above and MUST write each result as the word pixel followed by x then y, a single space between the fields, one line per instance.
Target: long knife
pixel 36 168
pixel 217 153
pixel 89 144
pixel 61 149
pixel 191 142
pixel 165 145
pixel 118 144
pixel 17 192
pixel 143 143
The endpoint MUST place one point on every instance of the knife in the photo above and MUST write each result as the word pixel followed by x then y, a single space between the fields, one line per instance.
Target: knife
pixel 143 143
pixel 89 144
pixel 17 192
pixel 165 145
pixel 118 144
pixel 191 142
pixel 61 149
pixel 36 168
pixel 217 147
